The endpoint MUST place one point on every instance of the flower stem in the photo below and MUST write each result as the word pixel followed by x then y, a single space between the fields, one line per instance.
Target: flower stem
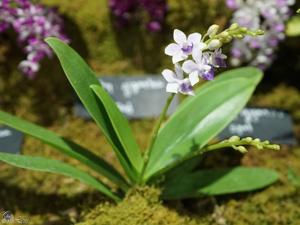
pixel 224 144
pixel 155 132
pixel 159 123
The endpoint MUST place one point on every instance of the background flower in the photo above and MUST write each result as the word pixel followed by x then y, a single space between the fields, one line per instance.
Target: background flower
pixel 268 15
pixel 32 23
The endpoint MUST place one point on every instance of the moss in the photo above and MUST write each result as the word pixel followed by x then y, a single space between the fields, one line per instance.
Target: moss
pixel 141 206
pixel 280 96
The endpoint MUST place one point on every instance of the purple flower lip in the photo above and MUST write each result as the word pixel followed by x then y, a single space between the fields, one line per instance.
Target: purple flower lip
pixel 185 88
pixel 187 49
pixel 221 62
pixel 210 75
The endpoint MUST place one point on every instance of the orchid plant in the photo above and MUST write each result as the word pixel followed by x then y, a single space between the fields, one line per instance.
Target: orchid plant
pixel 176 146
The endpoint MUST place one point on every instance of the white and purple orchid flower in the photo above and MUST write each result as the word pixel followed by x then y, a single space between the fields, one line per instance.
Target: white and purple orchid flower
pixel 198 68
pixel 184 45
pixel 177 82
pixel 218 59
pixel 199 62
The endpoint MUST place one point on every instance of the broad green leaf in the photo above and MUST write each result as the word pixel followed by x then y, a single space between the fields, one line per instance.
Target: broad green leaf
pixel 293 26
pixel 218 182
pixel 81 78
pixel 121 126
pixel 65 146
pixel 57 167
pixel 202 117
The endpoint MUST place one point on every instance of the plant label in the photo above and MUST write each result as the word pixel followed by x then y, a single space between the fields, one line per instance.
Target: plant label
pixel 270 124
pixel 137 97
pixel 10 140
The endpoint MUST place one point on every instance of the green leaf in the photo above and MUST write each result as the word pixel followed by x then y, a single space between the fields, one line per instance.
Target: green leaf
pixel 121 126
pixel 65 146
pixel 57 167
pixel 202 117
pixel 81 78
pixel 218 182
pixel 293 26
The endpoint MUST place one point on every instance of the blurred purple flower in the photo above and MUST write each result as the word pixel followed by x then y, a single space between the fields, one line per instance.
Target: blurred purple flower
pixel 125 10
pixel 33 23
pixel 268 15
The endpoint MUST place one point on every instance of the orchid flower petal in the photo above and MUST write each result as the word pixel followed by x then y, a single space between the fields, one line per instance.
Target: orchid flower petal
pixel 194 78
pixel 172 49
pixel 197 55
pixel 172 87
pixel 179 36
pixel 194 38
pixel 178 57
pixel 189 66
pixel 169 75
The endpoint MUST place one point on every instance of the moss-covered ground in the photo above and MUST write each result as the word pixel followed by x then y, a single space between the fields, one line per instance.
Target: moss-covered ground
pixel 55 200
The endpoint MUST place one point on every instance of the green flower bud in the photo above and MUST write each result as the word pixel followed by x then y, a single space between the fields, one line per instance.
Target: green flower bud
pixel 244 29
pixel 234 26
pixel 241 149
pixel 239 36
pixel 259 32
pixel 224 34
pixel 256 140
pixel 234 138
pixel 248 139
pixel 213 30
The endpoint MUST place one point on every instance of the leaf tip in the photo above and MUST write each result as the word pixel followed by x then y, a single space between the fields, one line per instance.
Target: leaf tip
pixel 51 41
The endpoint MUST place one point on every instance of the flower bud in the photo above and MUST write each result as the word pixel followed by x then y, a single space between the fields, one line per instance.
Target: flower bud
pixel 244 29
pixel 260 32
pixel 241 149
pixel 214 44
pixel 234 138
pixel 234 26
pixel 274 147
pixel 239 36
pixel 224 34
pixel 213 30
pixel 248 139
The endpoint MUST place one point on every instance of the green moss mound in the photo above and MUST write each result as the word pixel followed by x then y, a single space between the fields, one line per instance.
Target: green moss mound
pixel 141 206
